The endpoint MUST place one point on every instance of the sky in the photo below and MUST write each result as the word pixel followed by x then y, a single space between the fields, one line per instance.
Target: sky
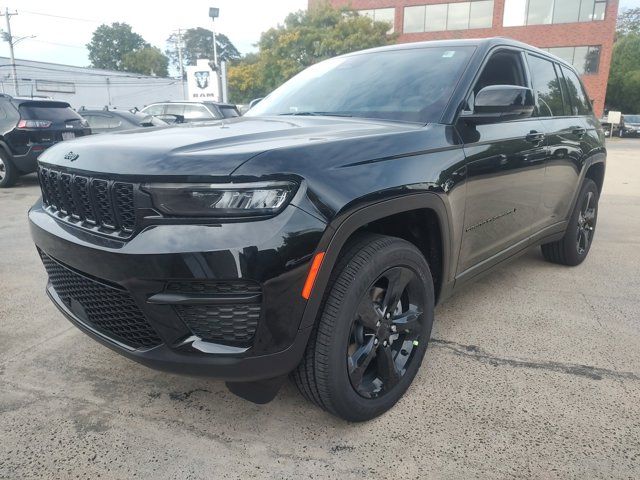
pixel 62 40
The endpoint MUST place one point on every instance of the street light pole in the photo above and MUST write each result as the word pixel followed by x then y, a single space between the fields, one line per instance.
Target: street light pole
pixel 215 13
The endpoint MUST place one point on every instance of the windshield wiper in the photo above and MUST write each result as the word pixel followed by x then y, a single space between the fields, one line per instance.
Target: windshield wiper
pixel 317 114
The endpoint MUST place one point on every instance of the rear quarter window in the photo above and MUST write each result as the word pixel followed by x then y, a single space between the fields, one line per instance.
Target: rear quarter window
pixel 580 104
pixel 54 112
pixel 229 112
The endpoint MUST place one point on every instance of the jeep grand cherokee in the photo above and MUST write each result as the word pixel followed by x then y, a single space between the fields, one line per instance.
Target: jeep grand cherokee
pixel 314 236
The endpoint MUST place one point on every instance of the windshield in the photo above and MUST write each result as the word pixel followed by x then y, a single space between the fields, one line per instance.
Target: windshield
pixel 632 118
pixel 411 85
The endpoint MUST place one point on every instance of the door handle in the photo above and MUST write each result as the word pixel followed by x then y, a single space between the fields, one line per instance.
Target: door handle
pixel 580 132
pixel 535 137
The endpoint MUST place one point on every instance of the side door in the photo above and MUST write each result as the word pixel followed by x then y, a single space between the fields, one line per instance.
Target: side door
pixel 505 170
pixel 565 130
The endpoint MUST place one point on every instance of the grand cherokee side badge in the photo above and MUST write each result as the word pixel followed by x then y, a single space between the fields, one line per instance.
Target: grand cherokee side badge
pixel 71 156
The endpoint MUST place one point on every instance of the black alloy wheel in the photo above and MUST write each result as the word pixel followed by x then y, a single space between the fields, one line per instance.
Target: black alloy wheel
pixel 574 247
pixel 373 329
pixel 385 334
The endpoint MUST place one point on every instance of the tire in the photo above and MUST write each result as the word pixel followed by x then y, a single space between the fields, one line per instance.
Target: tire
pixel 8 172
pixel 574 247
pixel 335 372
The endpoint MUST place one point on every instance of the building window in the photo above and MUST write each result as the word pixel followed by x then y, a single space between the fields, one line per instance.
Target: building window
pixel 55 87
pixel 387 15
pixel 448 16
pixel 518 13
pixel 585 59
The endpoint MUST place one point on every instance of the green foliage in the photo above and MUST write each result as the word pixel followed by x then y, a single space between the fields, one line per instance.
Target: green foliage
pixel 623 92
pixel 198 43
pixel 629 22
pixel 147 61
pixel 111 43
pixel 305 39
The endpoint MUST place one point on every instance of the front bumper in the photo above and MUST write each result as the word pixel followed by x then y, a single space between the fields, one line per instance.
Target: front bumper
pixel 273 253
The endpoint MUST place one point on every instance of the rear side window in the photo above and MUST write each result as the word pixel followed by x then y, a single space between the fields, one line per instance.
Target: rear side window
pixel 102 121
pixel 196 112
pixel 174 109
pixel 229 112
pixel 154 110
pixel 547 86
pixel 55 112
pixel 580 104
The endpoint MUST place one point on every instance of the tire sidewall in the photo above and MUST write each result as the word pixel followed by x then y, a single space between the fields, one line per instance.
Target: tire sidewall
pixel 10 171
pixel 571 236
pixel 345 399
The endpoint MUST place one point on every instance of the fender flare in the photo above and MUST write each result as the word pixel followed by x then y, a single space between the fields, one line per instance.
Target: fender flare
pixel 344 225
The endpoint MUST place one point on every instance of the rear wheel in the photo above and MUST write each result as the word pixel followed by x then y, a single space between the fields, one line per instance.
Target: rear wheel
pixel 8 172
pixel 373 330
pixel 574 247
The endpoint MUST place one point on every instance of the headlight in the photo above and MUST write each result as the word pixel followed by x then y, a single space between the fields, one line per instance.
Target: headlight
pixel 220 200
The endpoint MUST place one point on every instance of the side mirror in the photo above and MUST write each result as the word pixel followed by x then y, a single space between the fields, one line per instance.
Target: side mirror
pixel 500 103
pixel 254 102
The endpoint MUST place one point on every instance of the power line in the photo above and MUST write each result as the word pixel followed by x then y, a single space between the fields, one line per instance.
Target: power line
pixel 77 19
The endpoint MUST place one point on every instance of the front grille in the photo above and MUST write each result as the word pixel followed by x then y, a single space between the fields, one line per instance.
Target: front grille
pixel 107 308
pixel 89 202
pixel 229 323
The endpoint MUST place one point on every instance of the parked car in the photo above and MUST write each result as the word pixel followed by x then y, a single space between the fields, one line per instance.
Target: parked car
pixel 188 112
pixel 314 235
pixel 105 121
pixel 631 127
pixel 27 128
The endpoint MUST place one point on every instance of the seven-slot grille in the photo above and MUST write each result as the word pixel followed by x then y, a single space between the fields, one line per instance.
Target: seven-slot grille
pixel 107 308
pixel 89 202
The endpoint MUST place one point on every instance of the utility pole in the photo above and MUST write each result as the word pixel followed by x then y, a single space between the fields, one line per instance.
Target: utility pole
pixel 9 38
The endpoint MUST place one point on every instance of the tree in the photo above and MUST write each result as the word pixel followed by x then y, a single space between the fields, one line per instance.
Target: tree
pixel 629 22
pixel 198 43
pixel 305 39
pixel 624 79
pixel 111 43
pixel 147 61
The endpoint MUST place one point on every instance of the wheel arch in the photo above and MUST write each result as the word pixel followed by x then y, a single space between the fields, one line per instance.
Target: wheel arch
pixel 379 217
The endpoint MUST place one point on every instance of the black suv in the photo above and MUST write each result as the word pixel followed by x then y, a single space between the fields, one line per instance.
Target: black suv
pixel 314 236
pixel 28 126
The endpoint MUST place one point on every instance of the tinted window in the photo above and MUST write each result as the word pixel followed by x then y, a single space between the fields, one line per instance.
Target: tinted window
pixel 580 105
pixel 174 109
pixel 566 11
pixel 196 112
pixel 102 121
pixel 458 18
pixel 436 18
pixel 56 112
pixel 540 11
pixel 414 19
pixel 229 112
pixel 547 86
pixel 154 110
pixel 412 84
pixel 481 15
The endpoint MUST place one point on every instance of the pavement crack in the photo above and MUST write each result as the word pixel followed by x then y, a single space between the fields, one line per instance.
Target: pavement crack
pixel 477 353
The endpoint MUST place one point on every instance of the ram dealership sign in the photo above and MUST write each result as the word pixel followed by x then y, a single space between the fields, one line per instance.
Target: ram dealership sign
pixel 202 82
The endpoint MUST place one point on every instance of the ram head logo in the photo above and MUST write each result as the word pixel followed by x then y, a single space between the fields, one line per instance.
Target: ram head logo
pixel 202 79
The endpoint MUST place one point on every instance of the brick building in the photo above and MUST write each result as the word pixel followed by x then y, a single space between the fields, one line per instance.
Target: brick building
pixel 579 31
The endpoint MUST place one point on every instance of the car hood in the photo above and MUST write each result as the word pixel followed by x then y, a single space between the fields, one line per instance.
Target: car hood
pixel 215 149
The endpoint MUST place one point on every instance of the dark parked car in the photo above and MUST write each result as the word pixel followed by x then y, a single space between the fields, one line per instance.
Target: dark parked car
pixel 106 121
pixel 631 127
pixel 189 112
pixel 314 236
pixel 28 126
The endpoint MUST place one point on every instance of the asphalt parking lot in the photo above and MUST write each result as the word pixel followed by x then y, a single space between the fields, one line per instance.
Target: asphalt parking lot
pixel 533 372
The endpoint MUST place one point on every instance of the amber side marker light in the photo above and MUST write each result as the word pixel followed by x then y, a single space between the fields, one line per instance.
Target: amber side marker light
pixel 313 273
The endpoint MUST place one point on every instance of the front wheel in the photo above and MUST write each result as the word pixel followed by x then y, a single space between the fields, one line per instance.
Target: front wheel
pixel 373 330
pixel 574 247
